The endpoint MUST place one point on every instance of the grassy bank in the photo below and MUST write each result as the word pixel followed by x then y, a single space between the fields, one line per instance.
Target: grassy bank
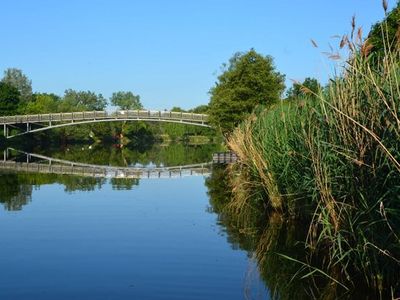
pixel 332 159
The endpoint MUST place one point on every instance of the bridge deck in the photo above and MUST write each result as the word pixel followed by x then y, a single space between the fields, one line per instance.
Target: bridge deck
pixel 48 121
pixel 50 165
pixel 106 172
pixel 102 115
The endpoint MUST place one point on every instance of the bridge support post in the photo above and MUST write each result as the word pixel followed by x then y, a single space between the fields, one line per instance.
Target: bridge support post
pixel 5 155
pixel 5 130
pixel 28 127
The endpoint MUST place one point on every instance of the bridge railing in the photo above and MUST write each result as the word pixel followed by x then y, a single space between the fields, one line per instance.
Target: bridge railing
pixel 94 115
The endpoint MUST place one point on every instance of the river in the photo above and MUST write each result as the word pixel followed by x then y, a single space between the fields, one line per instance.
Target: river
pixel 112 236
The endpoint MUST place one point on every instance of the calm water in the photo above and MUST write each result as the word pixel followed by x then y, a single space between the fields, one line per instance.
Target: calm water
pixel 72 237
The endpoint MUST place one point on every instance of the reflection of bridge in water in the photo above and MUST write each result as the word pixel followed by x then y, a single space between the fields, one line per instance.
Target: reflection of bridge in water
pixel 41 122
pixel 49 165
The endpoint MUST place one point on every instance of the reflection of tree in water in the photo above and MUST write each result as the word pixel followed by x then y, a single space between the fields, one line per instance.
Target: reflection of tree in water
pixel 78 183
pixel 277 243
pixel 16 189
pixel 124 183
pixel 13 194
pixel 167 155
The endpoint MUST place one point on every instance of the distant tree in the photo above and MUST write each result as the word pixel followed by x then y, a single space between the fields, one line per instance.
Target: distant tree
pixel 309 86
pixel 201 109
pixel 377 39
pixel 82 100
pixel 9 99
pixel 248 80
pixel 177 109
pixel 16 78
pixel 126 100
pixel 42 103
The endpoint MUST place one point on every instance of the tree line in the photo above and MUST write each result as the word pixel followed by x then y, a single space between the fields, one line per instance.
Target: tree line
pixel 16 97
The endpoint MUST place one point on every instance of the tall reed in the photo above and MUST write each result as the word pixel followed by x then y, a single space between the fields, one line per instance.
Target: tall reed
pixel 333 158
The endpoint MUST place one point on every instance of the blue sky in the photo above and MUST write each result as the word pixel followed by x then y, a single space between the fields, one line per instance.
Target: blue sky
pixel 168 52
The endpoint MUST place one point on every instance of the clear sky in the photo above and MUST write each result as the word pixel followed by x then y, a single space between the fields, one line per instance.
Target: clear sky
pixel 168 52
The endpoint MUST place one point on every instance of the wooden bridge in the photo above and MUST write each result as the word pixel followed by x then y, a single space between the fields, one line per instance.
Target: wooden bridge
pixel 41 122
pixel 49 165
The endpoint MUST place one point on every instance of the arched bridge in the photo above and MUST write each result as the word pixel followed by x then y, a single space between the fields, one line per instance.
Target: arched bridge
pixel 41 122
pixel 49 165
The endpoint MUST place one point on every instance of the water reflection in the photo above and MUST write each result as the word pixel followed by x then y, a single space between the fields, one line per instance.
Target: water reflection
pixel 266 238
pixel 89 168
pixel 277 244
pixel 156 155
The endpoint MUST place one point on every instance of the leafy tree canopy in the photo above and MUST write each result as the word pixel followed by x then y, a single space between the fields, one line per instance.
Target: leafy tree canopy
pixel 177 109
pixel 391 37
pixel 249 79
pixel 9 99
pixel 82 100
pixel 16 78
pixel 309 87
pixel 126 100
pixel 42 103
pixel 201 109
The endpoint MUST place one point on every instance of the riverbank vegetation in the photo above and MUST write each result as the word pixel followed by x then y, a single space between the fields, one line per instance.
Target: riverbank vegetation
pixel 327 162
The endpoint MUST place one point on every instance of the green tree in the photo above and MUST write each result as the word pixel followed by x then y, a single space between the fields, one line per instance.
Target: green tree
pixel 82 100
pixel 201 109
pixel 9 99
pixel 391 39
pixel 310 86
pixel 177 109
pixel 19 80
pixel 126 100
pixel 248 80
pixel 42 103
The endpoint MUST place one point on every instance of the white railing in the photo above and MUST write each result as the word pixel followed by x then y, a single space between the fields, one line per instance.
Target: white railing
pixel 101 115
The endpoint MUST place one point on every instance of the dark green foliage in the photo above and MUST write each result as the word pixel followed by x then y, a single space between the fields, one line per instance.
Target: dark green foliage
pixel 177 109
pixel 126 100
pixel 14 193
pixel 248 80
pixel 9 99
pixel 201 109
pixel 42 103
pixel 82 100
pixel 19 80
pixel 385 36
pixel 309 87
